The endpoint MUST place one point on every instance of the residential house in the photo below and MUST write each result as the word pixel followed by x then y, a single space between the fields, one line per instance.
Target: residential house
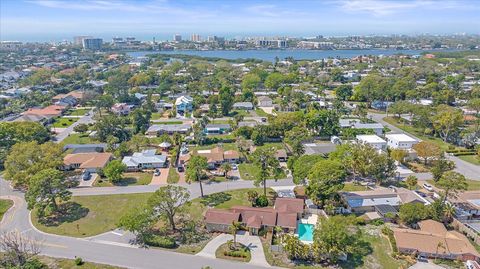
pixel 159 129
pixel 243 106
pixel 373 140
pixel 212 129
pixel 122 109
pixel 281 155
pixel 68 99
pixel 284 214
pixel 184 104
pixel 89 162
pixel 377 128
pixel 368 201
pixel 400 141
pixel 433 240
pixel 467 205
pixel 265 101
pixel 217 156
pixel 47 112
pixel 147 159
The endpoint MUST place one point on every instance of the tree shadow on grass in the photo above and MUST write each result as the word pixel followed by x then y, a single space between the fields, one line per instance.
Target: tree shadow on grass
pixel 216 199
pixel 126 181
pixel 356 260
pixel 67 212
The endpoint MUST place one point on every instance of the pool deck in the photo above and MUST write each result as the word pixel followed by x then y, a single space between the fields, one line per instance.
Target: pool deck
pixel 309 219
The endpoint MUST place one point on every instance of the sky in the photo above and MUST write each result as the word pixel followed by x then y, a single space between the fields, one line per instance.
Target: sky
pixel 56 20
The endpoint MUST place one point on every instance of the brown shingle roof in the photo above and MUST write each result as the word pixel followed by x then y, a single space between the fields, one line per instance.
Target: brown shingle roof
pixel 53 110
pixel 287 220
pixel 88 160
pixel 217 216
pixel 289 205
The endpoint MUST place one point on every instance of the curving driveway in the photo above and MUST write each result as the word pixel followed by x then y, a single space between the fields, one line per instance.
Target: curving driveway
pixel 114 247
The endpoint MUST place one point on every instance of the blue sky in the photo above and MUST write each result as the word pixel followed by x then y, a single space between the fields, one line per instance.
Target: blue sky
pixel 44 20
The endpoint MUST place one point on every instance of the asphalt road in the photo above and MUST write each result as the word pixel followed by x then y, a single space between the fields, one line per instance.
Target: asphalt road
pixel 470 171
pixel 105 248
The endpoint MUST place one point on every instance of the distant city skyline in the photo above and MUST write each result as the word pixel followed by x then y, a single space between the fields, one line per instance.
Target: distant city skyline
pixel 56 20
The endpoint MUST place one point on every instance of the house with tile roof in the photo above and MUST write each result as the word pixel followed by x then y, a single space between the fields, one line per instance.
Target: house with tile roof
pixel 89 162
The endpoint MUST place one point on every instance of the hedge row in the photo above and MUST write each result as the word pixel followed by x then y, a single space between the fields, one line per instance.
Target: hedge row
pixel 160 241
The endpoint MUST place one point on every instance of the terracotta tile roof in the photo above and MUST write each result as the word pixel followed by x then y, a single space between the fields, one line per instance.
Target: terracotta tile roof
pixel 88 160
pixel 287 220
pixel 252 216
pixel 53 110
pixel 217 216
pixel 289 205
pixel 433 238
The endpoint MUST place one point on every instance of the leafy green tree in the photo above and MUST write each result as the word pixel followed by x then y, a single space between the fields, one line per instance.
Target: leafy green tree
pixel 274 80
pixel 325 179
pixel 344 92
pixel 295 249
pixel 295 137
pixel 302 167
pixel 28 158
pixel 251 81
pixel 226 99
pixel 264 159
pixel 140 121
pixel 104 102
pixel 400 107
pixel 452 183
pixel 411 182
pixel 226 168
pixel 411 213
pixel 195 171
pixel 81 128
pixel 114 170
pixel 45 189
pixel 427 150
pixel 111 125
pixel 333 239
pixel 138 142
pixel 168 201
pixel 441 166
pixel 398 154
pixel 446 121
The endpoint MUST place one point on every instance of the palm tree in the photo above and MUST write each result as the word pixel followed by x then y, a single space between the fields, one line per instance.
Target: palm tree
pixel 234 228
pixel 264 159
pixel 195 170
pixel 226 167
pixel 448 212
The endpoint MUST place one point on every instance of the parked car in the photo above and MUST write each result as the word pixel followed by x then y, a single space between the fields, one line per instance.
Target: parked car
pixel 234 166
pixel 157 172
pixel 86 175
pixel 421 258
pixel 427 186
pixel 180 169
pixel 421 193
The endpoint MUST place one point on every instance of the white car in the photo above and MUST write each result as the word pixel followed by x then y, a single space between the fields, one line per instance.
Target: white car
pixel 428 187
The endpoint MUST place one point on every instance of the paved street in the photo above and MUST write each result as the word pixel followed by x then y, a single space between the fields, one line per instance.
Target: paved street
pixel 469 170
pixel 67 131
pixel 113 247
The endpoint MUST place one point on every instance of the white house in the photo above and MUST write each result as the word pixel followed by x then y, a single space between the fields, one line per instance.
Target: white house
pixel 146 159
pixel 373 140
pixel 400 141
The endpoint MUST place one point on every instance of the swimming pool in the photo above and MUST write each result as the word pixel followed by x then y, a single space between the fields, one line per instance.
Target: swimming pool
pixel 305 231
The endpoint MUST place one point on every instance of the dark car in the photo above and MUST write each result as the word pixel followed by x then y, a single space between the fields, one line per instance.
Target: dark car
pixel 180 169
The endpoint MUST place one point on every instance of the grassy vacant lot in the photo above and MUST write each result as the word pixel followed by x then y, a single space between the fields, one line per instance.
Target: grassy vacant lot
pixel 5 204
pixel 64 122
pixel 78 139
pixel 86 216
pixel 473 185
pixel 471 159
pixel 137 178
pixel 249 171
pixel 173 176
pixel 70 264
pixel 79 112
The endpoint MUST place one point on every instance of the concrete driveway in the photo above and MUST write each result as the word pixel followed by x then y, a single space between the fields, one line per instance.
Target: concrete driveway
pixel 252 242
pixel 160 179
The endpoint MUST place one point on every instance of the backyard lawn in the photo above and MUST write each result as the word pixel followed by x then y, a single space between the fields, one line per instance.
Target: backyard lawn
pixel 137 178
pixel 249 171
pixel 225 146
pixel 78 139
pixel 91 215
pixel 63 122
pixel 473 185
pixel 5 204
pixel 78 112
pixel 354 187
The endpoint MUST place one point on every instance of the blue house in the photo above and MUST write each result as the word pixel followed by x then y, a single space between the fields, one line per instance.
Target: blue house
pixel 184 104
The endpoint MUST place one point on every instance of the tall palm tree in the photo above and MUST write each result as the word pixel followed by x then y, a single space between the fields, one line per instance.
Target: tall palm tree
pixel 226 167
pixel 448 212
pixel 234 228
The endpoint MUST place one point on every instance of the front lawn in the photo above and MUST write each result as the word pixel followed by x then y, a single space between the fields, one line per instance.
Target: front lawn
pixel 78 139
pixel 70 264
pixel 173 176
pixel 63 122
pixel 473 159
pixel 473 185
pixel 241 253
pixel 249 171
pixel 5 204
pixel 137 178
pixel 85 216
pixel 260 112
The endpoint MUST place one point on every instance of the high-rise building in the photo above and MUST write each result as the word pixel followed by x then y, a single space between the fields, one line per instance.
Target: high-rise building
pixel 78 40
pixel 92 43
pixel 215 38
pixel 196 38
pixel 272 43
pixel 177 38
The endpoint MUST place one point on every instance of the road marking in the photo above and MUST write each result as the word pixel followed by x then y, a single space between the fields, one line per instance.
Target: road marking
pixel 116 233
pixel 114 243
pixel 51 245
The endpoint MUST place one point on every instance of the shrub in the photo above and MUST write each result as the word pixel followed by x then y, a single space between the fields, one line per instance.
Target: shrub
pixel 78 261
pixel 262 201
pixel 160 241
pixel 33 264
pixel 389 233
